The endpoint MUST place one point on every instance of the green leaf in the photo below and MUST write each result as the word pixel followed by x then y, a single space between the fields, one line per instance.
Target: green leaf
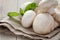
pixel 12 14
pixel 30 6
pixel 21 12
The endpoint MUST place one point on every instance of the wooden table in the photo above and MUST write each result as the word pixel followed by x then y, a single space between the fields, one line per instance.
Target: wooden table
pixel 14 5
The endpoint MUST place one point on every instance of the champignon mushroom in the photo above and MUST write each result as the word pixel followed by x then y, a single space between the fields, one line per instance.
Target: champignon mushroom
pixel 45 5
pixel 56 24
pixel 51 11
pixel 57 17
pixel 55 13
pixel 28 18
pixel 43 23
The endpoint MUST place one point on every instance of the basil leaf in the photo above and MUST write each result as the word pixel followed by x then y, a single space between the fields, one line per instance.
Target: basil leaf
pixel 30 6
pixel 11 14
pixel 21 12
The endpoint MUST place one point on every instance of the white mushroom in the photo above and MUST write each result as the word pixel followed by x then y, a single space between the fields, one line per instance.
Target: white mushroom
pixel 57 17
pixel 43 23
pixel 45 5
pixel 51 11
pixel 28 18
pixel 55 13
pixel 56 24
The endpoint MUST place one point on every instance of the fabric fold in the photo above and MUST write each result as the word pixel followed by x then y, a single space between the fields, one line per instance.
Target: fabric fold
pixel 15 26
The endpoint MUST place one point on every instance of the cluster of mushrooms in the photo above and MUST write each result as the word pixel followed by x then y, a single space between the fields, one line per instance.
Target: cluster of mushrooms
pixel 43 18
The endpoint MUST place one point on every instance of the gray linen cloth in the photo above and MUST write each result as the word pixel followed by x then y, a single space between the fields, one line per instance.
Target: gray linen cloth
pixel 14 25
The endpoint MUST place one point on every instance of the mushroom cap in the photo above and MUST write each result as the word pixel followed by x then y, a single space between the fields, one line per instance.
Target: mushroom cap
pixel 45 5
pixel 28 18
pixel 57 15
pixel 43 23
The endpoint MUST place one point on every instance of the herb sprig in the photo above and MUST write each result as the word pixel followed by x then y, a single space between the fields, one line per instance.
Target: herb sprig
pixel 30 6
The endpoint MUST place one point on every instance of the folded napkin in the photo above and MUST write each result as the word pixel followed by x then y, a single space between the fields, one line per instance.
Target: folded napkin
pixel 14 25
